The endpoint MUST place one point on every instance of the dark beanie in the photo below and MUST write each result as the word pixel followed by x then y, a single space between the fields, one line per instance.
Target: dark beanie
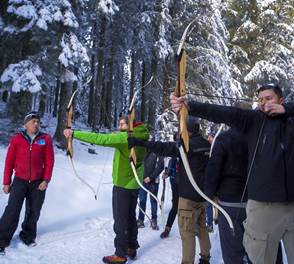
pixel 192 124
pixel 31 115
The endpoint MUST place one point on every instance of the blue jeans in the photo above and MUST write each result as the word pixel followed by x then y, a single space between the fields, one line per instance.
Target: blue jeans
pixel 152 187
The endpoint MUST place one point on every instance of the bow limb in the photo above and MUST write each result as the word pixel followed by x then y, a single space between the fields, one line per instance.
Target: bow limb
pixel 180 90
pixel 144 213
pixel 196 187
pixel 69 149
pixel 216 135
pixel 133 157
pixel 215 214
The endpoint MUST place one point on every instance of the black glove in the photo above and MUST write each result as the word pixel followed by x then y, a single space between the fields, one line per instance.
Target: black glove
pixel 132 142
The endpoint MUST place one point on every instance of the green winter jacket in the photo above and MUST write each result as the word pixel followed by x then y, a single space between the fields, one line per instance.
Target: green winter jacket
pixel 122 174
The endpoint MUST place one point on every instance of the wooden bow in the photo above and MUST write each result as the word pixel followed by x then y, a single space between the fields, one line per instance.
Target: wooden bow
pixel 180 91
pixel 69 149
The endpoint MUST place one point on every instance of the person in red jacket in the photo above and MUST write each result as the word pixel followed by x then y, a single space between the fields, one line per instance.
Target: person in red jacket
pixel 30 156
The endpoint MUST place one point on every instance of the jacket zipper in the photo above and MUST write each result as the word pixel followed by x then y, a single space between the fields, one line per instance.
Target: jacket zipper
pixel 31 146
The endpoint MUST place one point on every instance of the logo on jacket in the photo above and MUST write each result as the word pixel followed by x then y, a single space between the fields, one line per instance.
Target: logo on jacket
pixel 41 142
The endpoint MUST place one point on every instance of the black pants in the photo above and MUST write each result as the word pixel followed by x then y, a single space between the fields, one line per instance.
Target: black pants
pixel 124 202
pixel 175 200
pixel 20 190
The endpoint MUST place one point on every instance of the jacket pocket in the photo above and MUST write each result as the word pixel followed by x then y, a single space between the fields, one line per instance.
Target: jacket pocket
pixel 255 244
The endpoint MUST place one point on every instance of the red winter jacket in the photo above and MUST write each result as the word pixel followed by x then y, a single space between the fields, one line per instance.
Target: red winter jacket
pixel 30 161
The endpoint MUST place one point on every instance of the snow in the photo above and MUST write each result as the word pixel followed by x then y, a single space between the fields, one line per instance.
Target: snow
pixel 42 13
pixel 265 3
pixel 24 76
pixel 73 52
pixel 75 228
pixel 265 70
pixel 108 7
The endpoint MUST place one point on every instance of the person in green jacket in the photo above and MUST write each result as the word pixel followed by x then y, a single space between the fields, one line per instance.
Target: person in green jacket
pixel 125 186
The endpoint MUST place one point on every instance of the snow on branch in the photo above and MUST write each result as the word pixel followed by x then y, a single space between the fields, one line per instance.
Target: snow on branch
pixel 108 7
pixel 23 76
pixel 41 13
pixel 73 52
pixel 264 70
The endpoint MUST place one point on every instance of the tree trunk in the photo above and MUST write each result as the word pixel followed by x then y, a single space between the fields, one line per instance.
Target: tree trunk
pixel 143 99
pixel 93 80
pixel 57 89
pixel 99 79
pixel 61 117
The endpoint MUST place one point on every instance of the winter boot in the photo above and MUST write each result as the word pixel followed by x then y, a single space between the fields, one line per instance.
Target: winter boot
pixel 210 228
pixel 2 251
pixel 165 233
pixel 203 261
pixel 26 241
pixel 132 253
pixel 154 225
pixel 114 259
pixel 140 223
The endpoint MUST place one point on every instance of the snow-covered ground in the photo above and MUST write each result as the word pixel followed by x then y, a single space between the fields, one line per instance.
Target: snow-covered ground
pixel 74 228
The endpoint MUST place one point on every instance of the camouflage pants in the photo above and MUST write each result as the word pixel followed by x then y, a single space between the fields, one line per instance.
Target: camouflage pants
pixel 191 220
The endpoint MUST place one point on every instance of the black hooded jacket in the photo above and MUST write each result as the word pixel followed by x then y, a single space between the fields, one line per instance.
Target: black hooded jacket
pixel 197 156
pixel 271 178
pixel 153 166
pixel 226 172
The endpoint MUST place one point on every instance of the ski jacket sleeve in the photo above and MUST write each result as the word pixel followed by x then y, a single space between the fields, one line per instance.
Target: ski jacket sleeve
pixel 232 116
pixel 49 159
pixel 164 149
pixel 114 140
pixel 9 162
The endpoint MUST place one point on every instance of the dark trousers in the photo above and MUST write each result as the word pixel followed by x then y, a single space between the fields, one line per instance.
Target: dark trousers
pixel 209 214
pixel 232 247
pixel 124 202
pixel 175 201
pixel 19 191
pixel 153 188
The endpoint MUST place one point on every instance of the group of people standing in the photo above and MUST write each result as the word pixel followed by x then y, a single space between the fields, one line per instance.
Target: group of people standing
pixel 249 172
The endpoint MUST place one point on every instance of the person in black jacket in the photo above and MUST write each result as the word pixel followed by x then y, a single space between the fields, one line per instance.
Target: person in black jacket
pixel 191 207
pixel 172 171
pixel 225 178
pixel 269 133
pixel 153 166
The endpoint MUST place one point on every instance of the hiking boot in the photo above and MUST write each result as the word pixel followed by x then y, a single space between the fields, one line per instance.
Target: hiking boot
pixel 204 259
pixel 154 225
pixel 165 233
pixel 114 259
pixel 26 241
pixel 140 223
pixel 132 253
pixel 210 229
pixel 2 251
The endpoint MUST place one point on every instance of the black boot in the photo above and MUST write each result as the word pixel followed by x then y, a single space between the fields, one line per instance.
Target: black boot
pixel 165 233
pixel 203 261
pixel 132 253
pixel 2 250
pixel 154 225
